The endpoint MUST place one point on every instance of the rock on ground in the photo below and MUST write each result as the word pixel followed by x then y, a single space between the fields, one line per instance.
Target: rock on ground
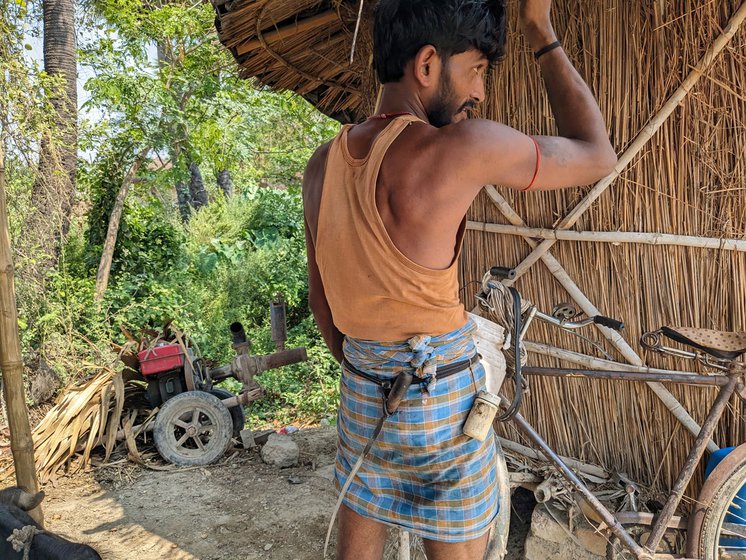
pixel 280 451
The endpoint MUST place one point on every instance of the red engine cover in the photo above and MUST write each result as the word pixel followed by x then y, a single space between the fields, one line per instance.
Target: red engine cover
pixel 161 358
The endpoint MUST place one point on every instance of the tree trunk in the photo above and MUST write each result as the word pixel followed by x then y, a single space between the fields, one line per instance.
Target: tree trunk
pixel 104 266
pixel 21 442
pixel 54 188
pixel 197 187
pixel 184 200
pixel 225 182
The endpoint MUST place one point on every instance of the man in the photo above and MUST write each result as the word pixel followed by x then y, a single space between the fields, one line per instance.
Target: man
pixel 384 205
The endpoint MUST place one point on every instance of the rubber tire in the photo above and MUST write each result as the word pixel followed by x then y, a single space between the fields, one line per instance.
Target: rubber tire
pixel 210 405
pixel 237 413
pixel 714 500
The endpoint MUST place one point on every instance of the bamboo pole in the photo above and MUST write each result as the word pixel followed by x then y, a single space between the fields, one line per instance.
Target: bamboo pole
pixel 21 442
pixel 643 137
pixel 638 238
pixel 107 253
pixel 673 405
pixel 585 468
pixel 592 361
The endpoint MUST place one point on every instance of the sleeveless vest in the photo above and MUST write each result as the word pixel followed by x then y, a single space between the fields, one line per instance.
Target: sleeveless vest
pixel 374 291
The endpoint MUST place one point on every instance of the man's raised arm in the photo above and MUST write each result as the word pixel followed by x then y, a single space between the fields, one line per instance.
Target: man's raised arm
pixel 581 153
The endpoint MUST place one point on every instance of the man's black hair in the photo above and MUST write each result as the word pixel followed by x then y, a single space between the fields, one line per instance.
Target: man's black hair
pixel 403 27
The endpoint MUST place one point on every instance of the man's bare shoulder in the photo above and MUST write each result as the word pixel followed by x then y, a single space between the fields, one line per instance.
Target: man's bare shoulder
pixel 316 163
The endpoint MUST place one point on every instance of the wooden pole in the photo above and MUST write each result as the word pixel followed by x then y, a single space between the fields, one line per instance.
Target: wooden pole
pixel 107 254
pixel 639 238
pixel 21 442
pixel 643 137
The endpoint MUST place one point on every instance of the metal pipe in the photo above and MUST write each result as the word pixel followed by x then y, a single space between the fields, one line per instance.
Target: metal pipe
pixel 278 321
pixel 220 373
pixel 284 358
pixel 614 526
pixel 692 460
pixel 243 398
pixel 710 380
pixel 544 491
pixel 238 335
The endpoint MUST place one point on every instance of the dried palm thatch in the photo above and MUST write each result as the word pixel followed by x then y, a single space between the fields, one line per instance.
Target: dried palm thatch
pixel 670 76
pixel 304 46
pixel 85 416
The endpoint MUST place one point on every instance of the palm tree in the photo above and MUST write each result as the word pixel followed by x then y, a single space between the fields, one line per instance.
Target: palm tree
pixel 54 189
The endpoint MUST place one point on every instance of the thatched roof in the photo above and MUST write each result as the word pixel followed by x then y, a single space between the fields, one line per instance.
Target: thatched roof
pixel 670 76
pixel 300 45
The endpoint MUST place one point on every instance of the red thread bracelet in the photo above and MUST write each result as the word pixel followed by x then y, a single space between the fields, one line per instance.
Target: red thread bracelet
pixel 538 161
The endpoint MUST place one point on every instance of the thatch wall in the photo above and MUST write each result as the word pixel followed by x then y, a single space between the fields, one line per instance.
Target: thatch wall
pixel 688 179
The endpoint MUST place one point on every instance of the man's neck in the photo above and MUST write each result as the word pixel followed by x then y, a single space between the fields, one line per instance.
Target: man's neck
pixel 397 98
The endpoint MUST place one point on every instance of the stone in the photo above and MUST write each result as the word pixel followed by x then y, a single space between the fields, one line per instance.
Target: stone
pixel 280 451
pixel 247 439
pixel 547 539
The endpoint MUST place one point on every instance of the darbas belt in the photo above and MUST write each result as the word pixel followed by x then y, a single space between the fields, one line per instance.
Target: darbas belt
pixel 393 389
pixel 440 372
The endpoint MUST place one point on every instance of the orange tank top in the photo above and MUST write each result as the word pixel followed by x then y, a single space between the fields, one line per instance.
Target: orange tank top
pixel 374 291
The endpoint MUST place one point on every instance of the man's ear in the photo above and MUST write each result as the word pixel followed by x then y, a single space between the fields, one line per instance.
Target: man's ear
pixel 427 64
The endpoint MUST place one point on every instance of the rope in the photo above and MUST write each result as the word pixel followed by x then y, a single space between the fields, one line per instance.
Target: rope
pixel 357 30
pixel 21 539
pixel 496 298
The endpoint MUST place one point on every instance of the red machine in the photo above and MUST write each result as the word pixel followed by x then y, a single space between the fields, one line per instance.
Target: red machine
pixel 196 420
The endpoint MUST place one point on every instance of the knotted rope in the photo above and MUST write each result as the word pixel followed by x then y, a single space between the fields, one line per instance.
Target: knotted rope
pixel 21 539
pixel 496 298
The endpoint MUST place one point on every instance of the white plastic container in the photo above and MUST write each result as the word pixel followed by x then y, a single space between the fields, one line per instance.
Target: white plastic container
pixel 481 415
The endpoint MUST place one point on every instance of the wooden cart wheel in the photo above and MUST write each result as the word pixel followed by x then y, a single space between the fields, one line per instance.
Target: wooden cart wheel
pixel 717 525
pixel 192 428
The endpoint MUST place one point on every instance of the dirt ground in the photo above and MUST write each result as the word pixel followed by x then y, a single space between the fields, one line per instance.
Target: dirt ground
pixel 237 509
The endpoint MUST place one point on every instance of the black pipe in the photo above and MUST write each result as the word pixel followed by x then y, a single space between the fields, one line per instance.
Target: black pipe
pixel 238 335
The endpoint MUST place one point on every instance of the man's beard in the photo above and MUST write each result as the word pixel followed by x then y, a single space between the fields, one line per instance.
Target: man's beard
pixel 445 107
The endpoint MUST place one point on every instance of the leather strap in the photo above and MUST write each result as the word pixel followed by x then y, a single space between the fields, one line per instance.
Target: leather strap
pixel 441 371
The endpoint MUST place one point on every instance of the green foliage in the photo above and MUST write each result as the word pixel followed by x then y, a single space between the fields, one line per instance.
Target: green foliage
pixel 232 257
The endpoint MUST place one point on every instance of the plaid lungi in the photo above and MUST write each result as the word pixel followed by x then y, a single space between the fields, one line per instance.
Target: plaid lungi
pixel 422 474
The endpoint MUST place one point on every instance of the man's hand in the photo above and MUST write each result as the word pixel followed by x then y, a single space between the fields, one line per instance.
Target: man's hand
pixel 536 23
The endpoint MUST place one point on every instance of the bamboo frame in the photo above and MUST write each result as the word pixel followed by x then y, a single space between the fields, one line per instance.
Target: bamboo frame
pixel 671 403
pixel 584 468
pixel 643 137
pixel 639 238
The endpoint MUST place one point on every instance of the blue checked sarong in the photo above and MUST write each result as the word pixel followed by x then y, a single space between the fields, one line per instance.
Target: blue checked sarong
pixel 422 474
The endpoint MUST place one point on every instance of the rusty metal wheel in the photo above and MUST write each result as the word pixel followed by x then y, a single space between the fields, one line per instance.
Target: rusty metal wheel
pixel 192 428
pixel 717 525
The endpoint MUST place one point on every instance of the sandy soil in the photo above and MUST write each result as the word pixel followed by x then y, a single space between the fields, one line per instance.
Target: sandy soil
pixel 237 509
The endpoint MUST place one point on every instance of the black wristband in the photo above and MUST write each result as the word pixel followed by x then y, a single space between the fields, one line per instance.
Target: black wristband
pixel 545 50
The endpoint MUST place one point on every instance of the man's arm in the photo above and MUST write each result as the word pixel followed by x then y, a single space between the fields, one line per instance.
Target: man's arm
pixel 319 305
pixel 313 180
pixel 581 154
